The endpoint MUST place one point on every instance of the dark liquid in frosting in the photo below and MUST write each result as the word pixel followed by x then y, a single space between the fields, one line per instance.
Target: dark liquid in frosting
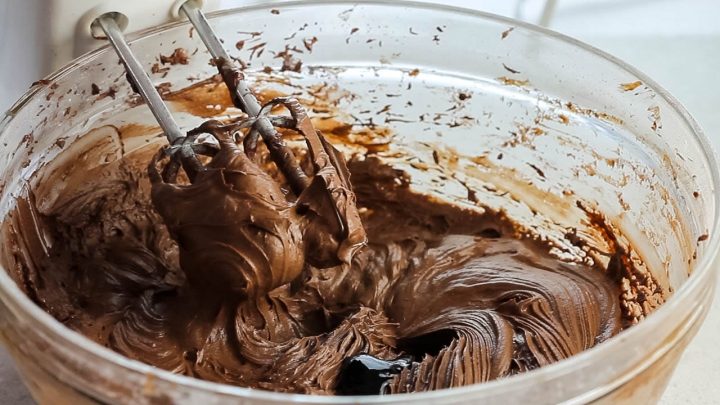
pixel 444 296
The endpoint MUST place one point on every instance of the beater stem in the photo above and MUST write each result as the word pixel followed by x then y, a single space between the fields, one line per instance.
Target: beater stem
pixel 250 106
pixel 143 84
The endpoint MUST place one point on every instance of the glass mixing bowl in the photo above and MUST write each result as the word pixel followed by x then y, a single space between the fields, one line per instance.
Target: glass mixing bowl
pixel 519 104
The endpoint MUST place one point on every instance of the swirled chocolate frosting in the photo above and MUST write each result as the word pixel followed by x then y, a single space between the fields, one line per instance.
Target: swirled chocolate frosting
pixel 216 280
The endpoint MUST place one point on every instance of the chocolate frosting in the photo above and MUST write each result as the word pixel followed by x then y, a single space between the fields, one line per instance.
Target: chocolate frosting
pixel 233 279
pixel 235 228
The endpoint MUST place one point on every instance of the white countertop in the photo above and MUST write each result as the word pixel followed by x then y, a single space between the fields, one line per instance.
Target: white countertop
pixel 674 42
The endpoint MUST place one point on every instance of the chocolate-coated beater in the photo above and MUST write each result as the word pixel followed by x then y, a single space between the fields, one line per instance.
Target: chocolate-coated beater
pixel 244 99
pixel 330 178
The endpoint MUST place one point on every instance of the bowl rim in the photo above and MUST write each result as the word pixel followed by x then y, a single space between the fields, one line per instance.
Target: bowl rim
pixel 20 302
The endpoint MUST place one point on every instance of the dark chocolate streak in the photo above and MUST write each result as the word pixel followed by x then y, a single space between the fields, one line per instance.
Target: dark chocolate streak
pixel 229 295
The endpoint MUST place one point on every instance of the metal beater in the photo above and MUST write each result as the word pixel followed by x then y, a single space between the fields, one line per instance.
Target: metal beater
pixel 183 150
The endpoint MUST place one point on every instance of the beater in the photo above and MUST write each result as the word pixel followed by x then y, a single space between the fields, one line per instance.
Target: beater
pixel 331 177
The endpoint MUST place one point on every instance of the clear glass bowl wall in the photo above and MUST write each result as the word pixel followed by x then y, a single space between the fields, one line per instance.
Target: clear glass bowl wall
pixel 635 155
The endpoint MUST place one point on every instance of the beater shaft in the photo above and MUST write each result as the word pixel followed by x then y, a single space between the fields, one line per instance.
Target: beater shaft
pixel 143 84
pixel 250 104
